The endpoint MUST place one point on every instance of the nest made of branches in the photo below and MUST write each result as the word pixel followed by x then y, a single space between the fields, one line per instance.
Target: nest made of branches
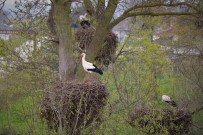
pixel 154 121
pixel 73 104
pixel 105 57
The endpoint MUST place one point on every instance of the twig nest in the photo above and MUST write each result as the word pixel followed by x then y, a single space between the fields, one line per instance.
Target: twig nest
pixel 84 37
pixel 105 57
pixel 155 121
pixel 107 52
pixel 75 105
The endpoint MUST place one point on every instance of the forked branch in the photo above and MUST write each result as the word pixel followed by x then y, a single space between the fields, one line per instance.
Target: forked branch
pixel 2 3
pixel 135 11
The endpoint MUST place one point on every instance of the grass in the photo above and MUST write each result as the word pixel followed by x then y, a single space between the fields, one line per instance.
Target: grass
pixel 12 116
pixel 165 85
pixel 22 117
pixel 198 122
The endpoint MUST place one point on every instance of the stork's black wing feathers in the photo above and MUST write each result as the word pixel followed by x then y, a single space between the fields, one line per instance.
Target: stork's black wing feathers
pixel 97 70
pixel 95 66
pixel 173 104
pixel 167 101
pixel 85 24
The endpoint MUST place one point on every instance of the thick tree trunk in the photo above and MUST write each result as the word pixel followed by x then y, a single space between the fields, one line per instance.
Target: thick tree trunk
pixel 62 19
pixel 101 29
pixel 97 41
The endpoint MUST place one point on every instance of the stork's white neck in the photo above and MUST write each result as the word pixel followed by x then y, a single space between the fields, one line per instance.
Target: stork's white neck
pixel 84 62
pixel 83 58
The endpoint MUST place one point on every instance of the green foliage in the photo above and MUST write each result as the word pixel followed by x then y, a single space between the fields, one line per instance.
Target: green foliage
pixel 23 117
pixel 1 46
pixel 136 80
pixel 3 51
pixel 140 76
pixel 24 76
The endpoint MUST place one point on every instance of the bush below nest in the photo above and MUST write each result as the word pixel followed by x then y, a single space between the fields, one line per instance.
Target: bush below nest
pixel 73 105
pixel 154 121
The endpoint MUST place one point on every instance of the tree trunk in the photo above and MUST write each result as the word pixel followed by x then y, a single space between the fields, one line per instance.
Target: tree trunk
pixel 97 42
pixel 62 19
pixel 101 29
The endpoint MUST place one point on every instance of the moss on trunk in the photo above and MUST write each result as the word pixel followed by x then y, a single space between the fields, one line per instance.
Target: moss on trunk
pixel 63 25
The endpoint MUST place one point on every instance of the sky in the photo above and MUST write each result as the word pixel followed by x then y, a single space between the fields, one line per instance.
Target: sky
pixel 9 4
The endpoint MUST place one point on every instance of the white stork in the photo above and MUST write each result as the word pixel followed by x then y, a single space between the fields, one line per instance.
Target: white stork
pixel 89 67
pixel 168 100
pixel 84 21
pixel 84 17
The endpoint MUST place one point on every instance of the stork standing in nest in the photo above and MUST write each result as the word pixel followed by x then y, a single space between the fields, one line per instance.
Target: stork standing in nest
pixel 89 67
pixel 169 100
pixel 84 21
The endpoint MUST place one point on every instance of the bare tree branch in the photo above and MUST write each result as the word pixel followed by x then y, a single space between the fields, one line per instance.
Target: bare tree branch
pixel 110 9
pixel 124 16
pixel 2 2
pixel 128 13
pixel 89 7
pixel 100 8
pixel 159 5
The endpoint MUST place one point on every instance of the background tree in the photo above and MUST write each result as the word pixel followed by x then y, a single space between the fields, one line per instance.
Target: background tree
pixel 104 22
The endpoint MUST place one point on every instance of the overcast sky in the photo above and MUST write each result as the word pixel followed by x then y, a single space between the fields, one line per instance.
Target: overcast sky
pixel 9 4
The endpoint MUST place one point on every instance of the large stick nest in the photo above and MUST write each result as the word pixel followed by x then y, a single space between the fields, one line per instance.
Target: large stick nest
pixel 75 104
pixel 155 121
pixel 105 57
